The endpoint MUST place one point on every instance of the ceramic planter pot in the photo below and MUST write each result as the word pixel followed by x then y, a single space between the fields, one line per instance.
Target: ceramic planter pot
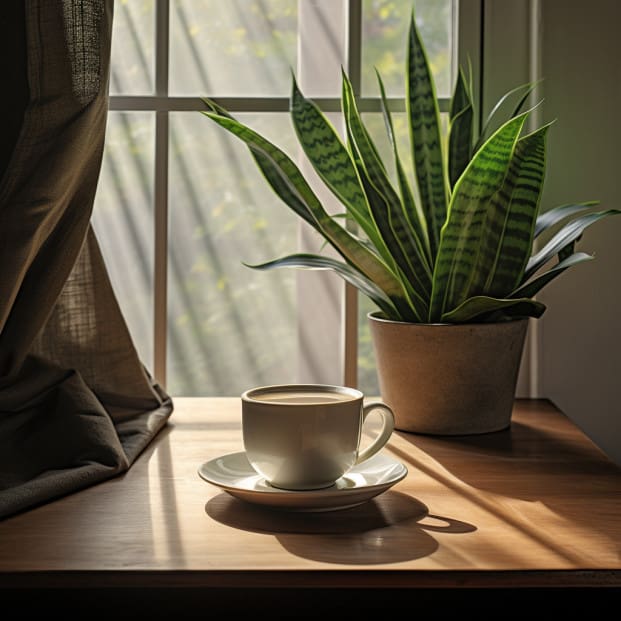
pixel 448 379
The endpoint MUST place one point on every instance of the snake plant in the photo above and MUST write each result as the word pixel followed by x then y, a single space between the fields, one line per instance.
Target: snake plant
pixel 462 249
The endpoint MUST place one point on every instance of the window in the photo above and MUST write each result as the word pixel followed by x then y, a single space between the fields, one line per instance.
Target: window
pixel 181 204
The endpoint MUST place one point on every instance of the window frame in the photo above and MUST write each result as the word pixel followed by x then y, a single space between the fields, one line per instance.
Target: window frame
pixel 467 28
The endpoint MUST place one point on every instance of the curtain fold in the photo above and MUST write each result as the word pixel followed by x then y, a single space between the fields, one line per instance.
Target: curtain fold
pixel 76 404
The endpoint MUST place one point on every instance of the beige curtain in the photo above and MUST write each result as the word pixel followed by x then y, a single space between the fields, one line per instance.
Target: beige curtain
pixel 76 404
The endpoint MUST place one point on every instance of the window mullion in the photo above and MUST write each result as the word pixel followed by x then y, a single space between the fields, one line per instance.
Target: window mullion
pixel 160 281
pixel 354 45
pixel 250 104
pixel 468 48
pixel 321 44
pixel 350 306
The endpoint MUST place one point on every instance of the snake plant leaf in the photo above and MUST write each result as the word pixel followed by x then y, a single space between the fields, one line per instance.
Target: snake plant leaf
pixel 270 173
pixel 413 215
pixel 553 216
pixel 387 209
pixel 416 303
pixel 330 159
pixel 473 213
pixel 527 88
pixel 273 176
pixel 417 299
pixel 480 308
pixel 524 97
pixel 532 287
pixel 460 130
pixel 568 234
pixel 511 226
pixel 348 273
pixel 216 107
pixel 357 254
pixel 424 120
pixel 347 98
pixel 279 162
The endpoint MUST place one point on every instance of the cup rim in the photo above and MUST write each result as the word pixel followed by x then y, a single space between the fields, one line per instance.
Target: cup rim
pixel 249 395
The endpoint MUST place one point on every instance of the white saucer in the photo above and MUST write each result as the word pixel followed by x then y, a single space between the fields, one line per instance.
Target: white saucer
pixel 234 474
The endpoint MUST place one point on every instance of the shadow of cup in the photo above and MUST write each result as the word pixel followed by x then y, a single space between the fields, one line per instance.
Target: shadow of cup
pixel 386 529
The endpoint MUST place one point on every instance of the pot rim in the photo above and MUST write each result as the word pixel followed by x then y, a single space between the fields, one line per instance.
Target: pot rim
pixel 374 316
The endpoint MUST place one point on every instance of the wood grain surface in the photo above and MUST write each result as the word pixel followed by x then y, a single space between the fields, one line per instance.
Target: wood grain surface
pixel 537 504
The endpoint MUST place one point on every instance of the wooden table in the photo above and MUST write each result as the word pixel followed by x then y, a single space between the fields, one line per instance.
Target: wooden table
pixel 536 506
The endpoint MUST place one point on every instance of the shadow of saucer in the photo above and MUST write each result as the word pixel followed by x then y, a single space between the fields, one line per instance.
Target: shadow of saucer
pixel 387 529
pixel 387 510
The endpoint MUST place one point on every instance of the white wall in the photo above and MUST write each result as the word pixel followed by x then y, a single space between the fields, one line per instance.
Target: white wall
pixel 580 334
pixel 506 63
pixel 574 355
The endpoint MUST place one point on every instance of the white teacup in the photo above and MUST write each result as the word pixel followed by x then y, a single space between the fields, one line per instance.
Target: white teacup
pixel 306 436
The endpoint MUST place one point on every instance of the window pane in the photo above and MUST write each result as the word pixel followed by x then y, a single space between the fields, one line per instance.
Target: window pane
pixel 230 327
pixel 233 48
pixel 384 39
pixel 368 381
pixel 322 47
pixel 123 220
pixel 132 64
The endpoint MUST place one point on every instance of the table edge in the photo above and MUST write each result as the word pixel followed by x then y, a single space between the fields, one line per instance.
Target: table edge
pixel 329 579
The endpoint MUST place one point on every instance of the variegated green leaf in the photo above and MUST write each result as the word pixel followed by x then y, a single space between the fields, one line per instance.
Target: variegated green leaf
pixel 481 308
pixel 357 254
pixel 280 163
pixel 553 216
pixel 458 266
pixel 460 130
pixel 331 160
pixel 216 107
pixel 532 287
pixel 523 98
pixel 511 220
pixel 379 206
pixel 348 273
pixel 273 176
pixel 569 233
pixel 414 216
pixel 387 209
pixel 526 90
pixel 347 98
pixel 424 116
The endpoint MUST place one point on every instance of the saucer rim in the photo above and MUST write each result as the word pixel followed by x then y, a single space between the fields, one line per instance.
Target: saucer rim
pixel 331 491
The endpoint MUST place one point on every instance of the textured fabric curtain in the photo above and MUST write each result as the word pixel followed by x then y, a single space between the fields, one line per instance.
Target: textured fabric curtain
pixel 76 404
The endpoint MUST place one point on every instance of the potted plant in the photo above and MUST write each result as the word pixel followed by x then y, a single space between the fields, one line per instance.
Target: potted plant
pixel 452 272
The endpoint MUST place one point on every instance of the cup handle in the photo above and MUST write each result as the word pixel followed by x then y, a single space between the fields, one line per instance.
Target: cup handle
pixel 388 426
